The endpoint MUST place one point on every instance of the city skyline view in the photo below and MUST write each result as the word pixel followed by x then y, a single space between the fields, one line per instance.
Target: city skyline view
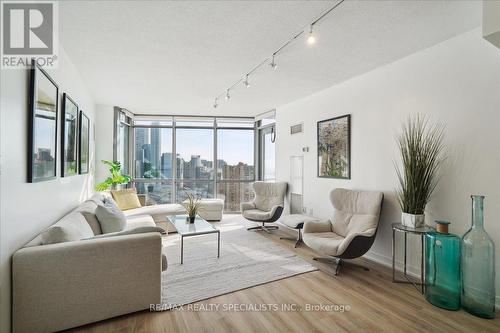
pixel 195 170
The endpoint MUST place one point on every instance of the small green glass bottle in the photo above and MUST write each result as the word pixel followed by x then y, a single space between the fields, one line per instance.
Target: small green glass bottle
pixel 442 267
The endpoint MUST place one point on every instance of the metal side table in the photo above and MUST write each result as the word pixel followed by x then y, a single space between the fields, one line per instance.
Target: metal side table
pixel 414 231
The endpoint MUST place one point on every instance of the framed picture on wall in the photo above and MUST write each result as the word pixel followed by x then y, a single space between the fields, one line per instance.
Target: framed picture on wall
pixel 334 147
pixel 83 144
pixel 42 126
pixel 69 137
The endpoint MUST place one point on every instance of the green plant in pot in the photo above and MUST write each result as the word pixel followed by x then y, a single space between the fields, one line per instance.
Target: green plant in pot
pixel 192 205
pixel 115 179
pixel 421 147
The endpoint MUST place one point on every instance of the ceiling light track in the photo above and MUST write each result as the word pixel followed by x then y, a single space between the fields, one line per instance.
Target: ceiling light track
pixel 311 39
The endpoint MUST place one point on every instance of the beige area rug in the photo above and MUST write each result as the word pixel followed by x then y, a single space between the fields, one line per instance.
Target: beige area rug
pixel 247 259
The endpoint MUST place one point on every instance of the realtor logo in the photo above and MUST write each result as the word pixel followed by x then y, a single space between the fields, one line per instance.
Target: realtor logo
pixel 29 31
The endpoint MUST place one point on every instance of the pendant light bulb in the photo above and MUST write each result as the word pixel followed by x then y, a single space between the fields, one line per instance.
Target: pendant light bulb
pixel 246 83
pixel 311 38
pixel 273 64
pixel 215 103
pixel 227 94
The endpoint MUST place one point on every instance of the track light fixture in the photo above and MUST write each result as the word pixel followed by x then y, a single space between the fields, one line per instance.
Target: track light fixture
pixel 273 64
pixel 311 39
pixel 307 33
pixel 246 83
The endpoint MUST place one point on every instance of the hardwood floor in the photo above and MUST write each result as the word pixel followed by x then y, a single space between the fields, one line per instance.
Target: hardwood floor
pixel 374 304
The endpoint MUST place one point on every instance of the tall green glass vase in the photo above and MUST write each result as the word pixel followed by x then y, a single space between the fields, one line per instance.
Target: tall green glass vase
pixel 442 267
pixel 478 266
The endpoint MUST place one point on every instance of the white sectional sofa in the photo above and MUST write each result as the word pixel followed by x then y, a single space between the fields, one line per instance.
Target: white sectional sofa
pixel 87 279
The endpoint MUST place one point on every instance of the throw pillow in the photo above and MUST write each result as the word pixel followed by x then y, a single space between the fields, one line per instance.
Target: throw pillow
pixel 110 218
pixel 126 199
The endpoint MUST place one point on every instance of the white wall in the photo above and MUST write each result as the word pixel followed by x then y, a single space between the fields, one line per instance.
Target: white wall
pixel 26 209
pixel 457 83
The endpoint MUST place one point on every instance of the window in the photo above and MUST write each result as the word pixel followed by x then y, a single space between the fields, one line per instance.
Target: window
pixel 195 162
pixel 176 155
pixel 123 124
pixel 235 167
pixel 268 154
pixel 153 163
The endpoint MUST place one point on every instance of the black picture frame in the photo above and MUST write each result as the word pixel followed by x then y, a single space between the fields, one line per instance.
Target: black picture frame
pixel 334 134
pixel 84 144
pixel 69 137
pixel 43 109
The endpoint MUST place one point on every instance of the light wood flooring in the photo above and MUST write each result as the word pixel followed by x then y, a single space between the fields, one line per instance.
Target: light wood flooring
pixel 375 305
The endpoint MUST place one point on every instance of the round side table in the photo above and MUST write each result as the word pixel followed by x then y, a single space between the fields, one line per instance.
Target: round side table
pixel 420 231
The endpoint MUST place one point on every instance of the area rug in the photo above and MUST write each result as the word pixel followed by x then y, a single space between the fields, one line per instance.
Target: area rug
pixel 247 259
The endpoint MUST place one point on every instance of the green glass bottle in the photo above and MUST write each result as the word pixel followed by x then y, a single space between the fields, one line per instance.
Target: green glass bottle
pixel 478 266
pixel 442 267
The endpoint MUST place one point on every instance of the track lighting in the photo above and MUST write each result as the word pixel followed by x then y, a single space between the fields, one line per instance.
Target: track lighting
pixel 273 64
pixel 311 39
pixel 309 36
pixel 246 83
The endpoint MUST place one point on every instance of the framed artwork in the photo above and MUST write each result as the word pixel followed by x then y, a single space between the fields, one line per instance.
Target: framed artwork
pixel 69 137
pixel 42 126
pixel 83 144
pixel 334 147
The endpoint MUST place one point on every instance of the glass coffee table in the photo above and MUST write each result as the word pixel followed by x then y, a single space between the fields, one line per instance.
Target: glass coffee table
pixel 199 227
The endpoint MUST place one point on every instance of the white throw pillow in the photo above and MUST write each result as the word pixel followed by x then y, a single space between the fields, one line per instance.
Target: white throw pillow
pixel 110 218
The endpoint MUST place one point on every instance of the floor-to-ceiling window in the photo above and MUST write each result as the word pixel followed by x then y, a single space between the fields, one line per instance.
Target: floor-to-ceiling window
pixel 123 123
pixel 267 153
pixel 194 143
pixel 153 159
pixel 209 157
pixel 235 162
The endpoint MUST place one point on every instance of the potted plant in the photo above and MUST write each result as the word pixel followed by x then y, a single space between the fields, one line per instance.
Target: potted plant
pixel 421 148
pixel 192 205
pixel 115 179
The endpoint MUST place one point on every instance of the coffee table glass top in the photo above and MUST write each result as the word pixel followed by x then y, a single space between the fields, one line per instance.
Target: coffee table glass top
pixel 200 226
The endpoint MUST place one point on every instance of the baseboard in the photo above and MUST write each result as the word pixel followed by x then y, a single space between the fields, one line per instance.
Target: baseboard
pixel 413 271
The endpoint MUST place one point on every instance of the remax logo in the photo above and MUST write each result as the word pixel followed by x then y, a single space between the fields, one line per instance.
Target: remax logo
pixel 29 31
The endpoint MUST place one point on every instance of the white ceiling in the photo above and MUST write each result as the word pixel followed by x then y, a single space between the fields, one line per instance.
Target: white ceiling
pixel 174 57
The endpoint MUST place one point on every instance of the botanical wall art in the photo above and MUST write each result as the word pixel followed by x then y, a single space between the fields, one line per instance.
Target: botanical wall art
pixel 42 131
pixel 69 138
pixel 334 147
pixel 83 143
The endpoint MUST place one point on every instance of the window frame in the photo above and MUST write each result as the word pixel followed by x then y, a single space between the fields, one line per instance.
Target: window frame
pixel 217 123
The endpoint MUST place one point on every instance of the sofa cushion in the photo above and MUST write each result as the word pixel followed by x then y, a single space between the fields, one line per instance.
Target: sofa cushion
pixel 257 215
pixel 326 243
pixel 72 227
pixel 126 199
pixel 163 209
pixel 110 218
pixel 140 221
pixel 131 231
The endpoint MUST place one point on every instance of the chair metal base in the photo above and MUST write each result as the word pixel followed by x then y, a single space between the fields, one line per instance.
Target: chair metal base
pixel 297 240
pixel 338 263
pixel 264 227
